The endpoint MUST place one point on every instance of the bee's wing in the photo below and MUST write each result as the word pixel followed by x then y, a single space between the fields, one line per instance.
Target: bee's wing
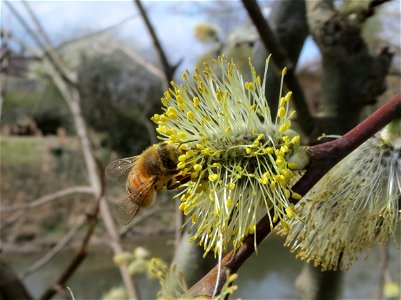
pixel 118 169
pixel 128 207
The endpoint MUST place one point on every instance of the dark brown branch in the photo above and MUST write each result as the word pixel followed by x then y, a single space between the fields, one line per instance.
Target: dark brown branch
pixel 370 11
pixel 168 69
pixel 281 60
pixel 61 244
pixel 79 257
pixel 10 286
pixel 323 158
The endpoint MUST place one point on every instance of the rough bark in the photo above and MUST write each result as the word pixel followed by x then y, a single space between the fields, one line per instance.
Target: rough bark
pixel 352 77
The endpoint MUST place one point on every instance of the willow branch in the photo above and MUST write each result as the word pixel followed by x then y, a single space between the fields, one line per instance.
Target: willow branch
pixel 323 158
pixel 281 60
pixel 48 198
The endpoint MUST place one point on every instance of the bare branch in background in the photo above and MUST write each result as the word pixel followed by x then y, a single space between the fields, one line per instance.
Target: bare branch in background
pixel 72 99
pixel 40 44
pixel 15 230
pixel 168 69
pixel 281 60
pixel 6 34
pixel 68 237
pixel 141 61
pixel 78 258
pixel 71 76
pixel 10 220
pixel 149 128
pixel 96 33
pixel 323 158
pixel 49 198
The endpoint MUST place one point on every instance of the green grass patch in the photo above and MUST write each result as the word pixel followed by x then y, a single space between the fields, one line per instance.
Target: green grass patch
pixel 21 151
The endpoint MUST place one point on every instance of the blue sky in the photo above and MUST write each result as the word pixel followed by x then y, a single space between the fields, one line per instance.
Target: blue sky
pixel 174 21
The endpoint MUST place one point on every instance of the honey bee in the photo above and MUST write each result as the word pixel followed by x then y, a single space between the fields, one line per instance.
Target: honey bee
pixel 149 172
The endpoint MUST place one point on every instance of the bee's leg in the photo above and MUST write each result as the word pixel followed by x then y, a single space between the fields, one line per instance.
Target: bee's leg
pixel 177 181
pixel 173 184
pixel 183 178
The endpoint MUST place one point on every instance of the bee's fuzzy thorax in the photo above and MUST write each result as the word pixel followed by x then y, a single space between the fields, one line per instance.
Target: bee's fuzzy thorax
pixel 238 158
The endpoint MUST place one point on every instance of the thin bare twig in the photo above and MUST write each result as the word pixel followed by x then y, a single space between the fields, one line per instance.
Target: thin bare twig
pixel 49 198
pixel 141 61
pixel 70 76
pixel 79 257
pixel 15 230
pixel 96 33
pixel 167 68
pixel 57 248
pixel 169 71
pixel 41 44
pixel 323 158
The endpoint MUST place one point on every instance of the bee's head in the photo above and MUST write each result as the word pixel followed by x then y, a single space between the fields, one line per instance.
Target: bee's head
pixel 168 155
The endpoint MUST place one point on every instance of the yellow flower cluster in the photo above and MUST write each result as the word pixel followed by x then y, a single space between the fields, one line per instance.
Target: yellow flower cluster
pixel 239 160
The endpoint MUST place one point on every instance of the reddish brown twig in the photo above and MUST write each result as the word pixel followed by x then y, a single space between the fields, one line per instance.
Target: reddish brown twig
pixel 77 260
pixel 92 219
pixel 323 158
